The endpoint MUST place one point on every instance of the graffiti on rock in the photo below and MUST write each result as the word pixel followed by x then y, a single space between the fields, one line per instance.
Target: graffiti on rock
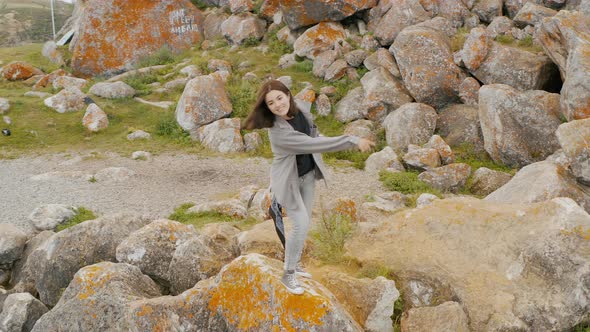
pixel 181 23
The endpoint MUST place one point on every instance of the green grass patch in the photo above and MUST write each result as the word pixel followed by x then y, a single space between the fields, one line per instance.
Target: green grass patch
pixel 82 215
pixel 276 46
pixel 161 57
pixel 199 219
pixel 526 44
pixel 458 40
pixel 465 153
pixel 30 53
pixel 583 327
pixel 242 94
pixel 329 237
pixel 406 183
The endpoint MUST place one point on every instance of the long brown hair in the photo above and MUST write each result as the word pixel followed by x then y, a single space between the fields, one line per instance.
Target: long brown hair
pixel 261 116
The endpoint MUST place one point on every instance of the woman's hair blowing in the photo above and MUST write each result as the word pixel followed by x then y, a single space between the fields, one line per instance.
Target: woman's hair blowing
pixel 261 116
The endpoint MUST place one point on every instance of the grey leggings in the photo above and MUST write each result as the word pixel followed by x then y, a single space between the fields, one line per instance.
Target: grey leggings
pixel 300 217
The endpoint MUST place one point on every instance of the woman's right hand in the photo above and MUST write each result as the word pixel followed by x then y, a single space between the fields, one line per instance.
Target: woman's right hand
pixel 365 145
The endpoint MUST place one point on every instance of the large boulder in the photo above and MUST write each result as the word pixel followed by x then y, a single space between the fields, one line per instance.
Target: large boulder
pixel 299 14
pixel 369 301
pixel 319 38
pixel 518 127
pixel 565 39
pixel 20 312
pixel 114 34
pixel 502 281
pixel 398 15
pixel 22 279
pixel 55 262
pixel 112 90
pixel 447 178
pixel 95 119
pixel 18 70
pixel 243 27
pixel 196 259
pixel 152 247
pixel 413 123
pixel 539 182
pixel 203 101
pixel 97 299
pixel 516 67
pixel 67 100
pixel 261 239
pixel 222 136
pixel 12 244
pixel 459 124
pixel 247 295
pixel 351 107
pixel 573 138
pixel 383 93
pixel 49 216
pixel 448 316
pixel 426 64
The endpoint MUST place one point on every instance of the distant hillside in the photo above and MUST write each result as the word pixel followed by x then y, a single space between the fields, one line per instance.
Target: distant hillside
pixel 24 21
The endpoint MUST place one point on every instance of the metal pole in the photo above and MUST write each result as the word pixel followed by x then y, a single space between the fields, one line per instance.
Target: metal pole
pixel 52 20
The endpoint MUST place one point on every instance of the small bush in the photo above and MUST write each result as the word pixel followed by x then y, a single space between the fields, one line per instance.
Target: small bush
pixel 82 215
pixel 505 39
pixel 199 4
pixel 304 66
pixel 161 57
pixel 458 40
pixel 406 183
pixel 276 46
pixel 171 129
pixel 251 41
pixel 140 82
pixel 242 94
pixel 330 236
pixel 466 153
pixel 199 219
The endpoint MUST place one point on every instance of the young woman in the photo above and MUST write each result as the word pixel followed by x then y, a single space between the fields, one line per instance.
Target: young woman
pixel 297 163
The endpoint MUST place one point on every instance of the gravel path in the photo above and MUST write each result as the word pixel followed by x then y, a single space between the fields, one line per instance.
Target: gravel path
pixel 159 185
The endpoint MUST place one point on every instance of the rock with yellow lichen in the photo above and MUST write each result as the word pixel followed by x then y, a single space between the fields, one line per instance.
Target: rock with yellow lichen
pixel 152 247
pixel 97 299
pixel 247 295
pixel 518 267
pixel 55 262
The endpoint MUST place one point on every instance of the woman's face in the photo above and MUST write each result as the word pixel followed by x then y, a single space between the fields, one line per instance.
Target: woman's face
pixel 278 103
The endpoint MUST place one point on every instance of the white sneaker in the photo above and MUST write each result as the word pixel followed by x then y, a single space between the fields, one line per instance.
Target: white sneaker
pixel 291 283
pixel 301 272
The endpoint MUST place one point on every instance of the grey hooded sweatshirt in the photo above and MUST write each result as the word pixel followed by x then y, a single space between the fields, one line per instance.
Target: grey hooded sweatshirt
pixel 286 143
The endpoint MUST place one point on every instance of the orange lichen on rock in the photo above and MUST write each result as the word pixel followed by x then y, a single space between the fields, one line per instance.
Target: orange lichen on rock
pixel 90 278
pixel 113 34
pixel 248 296
pixel 19 70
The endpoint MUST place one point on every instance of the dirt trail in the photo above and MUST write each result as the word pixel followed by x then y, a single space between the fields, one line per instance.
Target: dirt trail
pixel 159 185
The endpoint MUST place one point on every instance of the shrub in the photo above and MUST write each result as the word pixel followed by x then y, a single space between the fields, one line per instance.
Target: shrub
pixel 168 127
pixel 161 57
pixel 242 94
pixel 199 219
pixel 276 46
pixel 81 215
pixel 406 183
pixel 330 236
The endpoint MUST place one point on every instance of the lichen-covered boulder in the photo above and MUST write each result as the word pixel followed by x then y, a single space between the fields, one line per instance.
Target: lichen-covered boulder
pixel 246 295
pixel 369 301
pixel 65 81
pixel 399 15
pixel 422 158
pixel 518 127
pixel 319 38
pixel 574 137
pixel 242 27
pixel 114 34
pixel 532 14
pixel 203 101
pixel 518 68
pixel 426 64
pixel 351 107
pixel 262 239
pixel 97 299
pixel 476 48
pixel 222 136
pixel 502 281
pixel 444 150
pixel 413 123
pixel 152 247
pixel 539 182
pixel 212 24
pixel 95 119
pixel 67 100
pixel 196 259
pixel 55 262
pixel 459 124
pixel 447 178
pixel 361 128
pixel 384 159
pixel 20 312
pixel 485 181
pixel 299 14
pixel 383 93
pixel 112 90
pixel 22 278
pixel 382 57
pixel 18 70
